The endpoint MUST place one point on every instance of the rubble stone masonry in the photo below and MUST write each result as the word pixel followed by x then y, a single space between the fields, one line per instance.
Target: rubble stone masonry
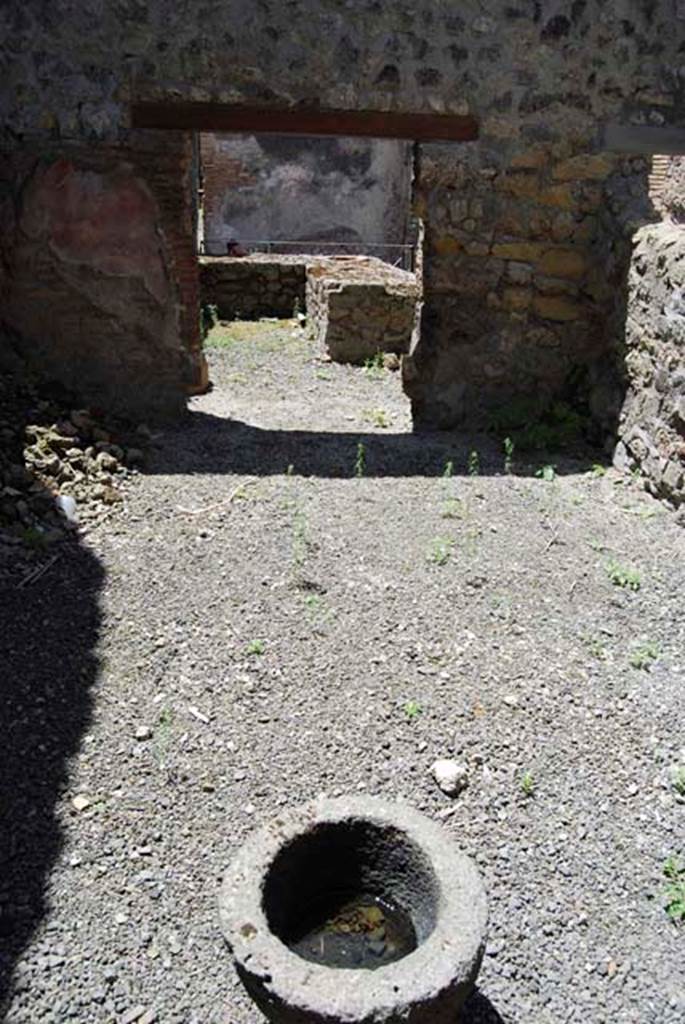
pixel 525 267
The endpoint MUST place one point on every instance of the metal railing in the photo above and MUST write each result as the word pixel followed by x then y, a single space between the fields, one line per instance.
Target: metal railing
pixel 398 254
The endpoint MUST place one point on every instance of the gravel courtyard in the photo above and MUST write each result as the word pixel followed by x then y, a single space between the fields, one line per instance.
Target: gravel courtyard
pixel 301 596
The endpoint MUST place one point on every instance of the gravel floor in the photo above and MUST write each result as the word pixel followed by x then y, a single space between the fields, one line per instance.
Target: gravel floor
pixel 259 624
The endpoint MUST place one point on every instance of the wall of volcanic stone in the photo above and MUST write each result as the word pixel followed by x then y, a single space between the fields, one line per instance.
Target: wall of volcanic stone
pixel 517 226
pixel 652 425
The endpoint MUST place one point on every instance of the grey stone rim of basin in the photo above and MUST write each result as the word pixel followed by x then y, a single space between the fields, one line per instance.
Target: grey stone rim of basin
pixel 428 984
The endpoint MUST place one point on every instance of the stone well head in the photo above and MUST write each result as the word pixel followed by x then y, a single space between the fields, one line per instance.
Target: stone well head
pixel 290 911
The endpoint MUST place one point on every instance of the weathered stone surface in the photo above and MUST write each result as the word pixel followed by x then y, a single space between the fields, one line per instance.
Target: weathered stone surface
pixel 358 306
pixel 90 294
pixel 596 166
pixel 519 251
pixel 359 838
pixel 517 299
pixel 558 195
pixel 563 263
pixel 254 286
pixel 552 307
pixel 652 425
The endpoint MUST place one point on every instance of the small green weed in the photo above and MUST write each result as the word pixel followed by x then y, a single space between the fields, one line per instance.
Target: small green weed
pixel 623 576
pixel 440 550
pixel 548 473
pixel 360 460
pixel 318 614
pixel 473 536
pixel 598 470
pixel 162 736
pixel 33 538
pixel 508 454
pixel 452 508
pixel 679 780
pixel 209 317
pixel 378 417
pixel 527 784
pixel 596 647
pixel 474 463
pixel 412 709
pixel 374 366
pixel 643 656
pixel 674 872
pixel 448 471
pixel 256 647
pixel 300 543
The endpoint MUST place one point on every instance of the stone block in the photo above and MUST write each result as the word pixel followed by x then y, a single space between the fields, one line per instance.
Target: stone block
pixel 446 244
pixel 563 263
pixel 552 307
pixel 476 248
pixel 519 273
pixel 561 196
pixel 517 299
pixel 555 286
pixel 523 185
pixel 526 252
pixel 358 306
pixel 530 159
pixel 585 166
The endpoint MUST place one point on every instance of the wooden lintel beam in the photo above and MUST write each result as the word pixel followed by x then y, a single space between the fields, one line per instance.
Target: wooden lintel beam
pixel 223 117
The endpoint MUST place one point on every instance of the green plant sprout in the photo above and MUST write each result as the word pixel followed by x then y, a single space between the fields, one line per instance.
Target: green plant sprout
pixel 360 460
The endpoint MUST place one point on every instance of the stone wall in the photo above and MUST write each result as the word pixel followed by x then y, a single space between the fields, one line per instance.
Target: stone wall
pixel 100 287
pixel 356 306
pixel 652 424
pixel 514 281
pixel 516 223
pixel 282 187
pixel 359 306
pixel 254 286
pixel 667 187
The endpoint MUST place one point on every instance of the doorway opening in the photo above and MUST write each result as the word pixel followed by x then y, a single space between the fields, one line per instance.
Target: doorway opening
pixel 307 254
pixel 303 230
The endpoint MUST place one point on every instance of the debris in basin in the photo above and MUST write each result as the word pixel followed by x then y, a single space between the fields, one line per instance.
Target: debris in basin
pixel 364 932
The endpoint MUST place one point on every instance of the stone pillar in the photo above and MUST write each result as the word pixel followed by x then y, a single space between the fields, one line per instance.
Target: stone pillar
pixel 513 287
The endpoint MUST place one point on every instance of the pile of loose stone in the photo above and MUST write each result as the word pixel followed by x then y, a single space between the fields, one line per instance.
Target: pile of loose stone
pixel 59 466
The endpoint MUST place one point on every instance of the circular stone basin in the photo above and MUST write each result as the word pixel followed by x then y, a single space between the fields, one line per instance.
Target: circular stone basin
pixel 354 910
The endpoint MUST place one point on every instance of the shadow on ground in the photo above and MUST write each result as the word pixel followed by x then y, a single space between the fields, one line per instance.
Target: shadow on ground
pixel 479 1010
pixel 49 627
pixel 210 444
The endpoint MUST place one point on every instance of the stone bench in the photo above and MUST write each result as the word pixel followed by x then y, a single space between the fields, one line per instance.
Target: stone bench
pixel 356 306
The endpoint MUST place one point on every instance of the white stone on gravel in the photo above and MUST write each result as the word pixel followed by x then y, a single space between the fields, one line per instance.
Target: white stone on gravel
pixel 143 732
pixel 450 776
